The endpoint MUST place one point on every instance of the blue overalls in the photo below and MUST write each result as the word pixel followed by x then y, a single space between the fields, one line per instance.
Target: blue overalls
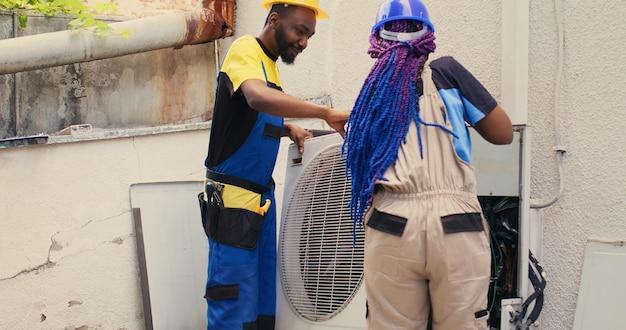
pixel 241 285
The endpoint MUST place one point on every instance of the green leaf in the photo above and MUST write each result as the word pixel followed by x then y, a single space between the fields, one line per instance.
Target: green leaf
pixel 102 26
pixel 84 15
pixel 23 19
pixel 75 24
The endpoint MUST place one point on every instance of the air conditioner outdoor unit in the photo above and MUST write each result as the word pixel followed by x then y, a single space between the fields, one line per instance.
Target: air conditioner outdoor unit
pixel 320 261
pixel 320 265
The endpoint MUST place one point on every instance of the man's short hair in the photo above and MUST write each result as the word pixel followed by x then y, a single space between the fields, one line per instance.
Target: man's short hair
pixel 281 9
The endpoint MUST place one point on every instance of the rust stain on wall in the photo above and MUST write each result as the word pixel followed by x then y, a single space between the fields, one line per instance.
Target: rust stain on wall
pixel 173 80
pixel 213 21
pixel 226 8
pixel 148 89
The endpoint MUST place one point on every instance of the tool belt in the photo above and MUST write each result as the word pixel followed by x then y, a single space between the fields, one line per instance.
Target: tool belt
pixel 232 210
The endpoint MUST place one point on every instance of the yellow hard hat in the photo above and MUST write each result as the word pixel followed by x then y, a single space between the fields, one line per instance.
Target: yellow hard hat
pixel 311 4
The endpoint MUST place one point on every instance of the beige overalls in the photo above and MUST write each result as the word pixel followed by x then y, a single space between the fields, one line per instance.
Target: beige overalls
pixel 427 243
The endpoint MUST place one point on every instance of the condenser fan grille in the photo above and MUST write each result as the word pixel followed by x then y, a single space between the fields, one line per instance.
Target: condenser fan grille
pixel 321 268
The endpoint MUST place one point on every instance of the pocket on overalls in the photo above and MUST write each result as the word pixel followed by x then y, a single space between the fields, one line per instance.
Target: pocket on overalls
pixel 208 214
pixel 238 219
pixel 481 318
pixel 467 248
pixel 387 223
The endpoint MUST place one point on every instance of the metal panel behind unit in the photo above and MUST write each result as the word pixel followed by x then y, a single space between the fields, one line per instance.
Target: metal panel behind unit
pixel 602 287
pixel 497 168
pixel 173 254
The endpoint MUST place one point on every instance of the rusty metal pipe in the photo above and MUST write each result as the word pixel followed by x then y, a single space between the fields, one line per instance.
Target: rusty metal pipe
pixel 211 22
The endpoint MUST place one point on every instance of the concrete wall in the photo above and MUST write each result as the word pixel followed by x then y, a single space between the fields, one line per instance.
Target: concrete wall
pixel 67 243
pixel 154 88
pixel 7 85
pixel 64 211
pixel 593 119
pixel 142 8
pixel 69 259
pixel 336 60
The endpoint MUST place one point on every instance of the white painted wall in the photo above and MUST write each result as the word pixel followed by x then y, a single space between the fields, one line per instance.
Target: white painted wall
pixel 67 243
pixel 593 117
pixel 64 210
pixel 336 60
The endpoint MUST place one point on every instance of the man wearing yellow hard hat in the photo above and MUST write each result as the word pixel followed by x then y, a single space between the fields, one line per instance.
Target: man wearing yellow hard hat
pixel 238 208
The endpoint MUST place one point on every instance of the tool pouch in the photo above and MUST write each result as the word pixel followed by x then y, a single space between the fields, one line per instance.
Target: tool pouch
pixel 232 215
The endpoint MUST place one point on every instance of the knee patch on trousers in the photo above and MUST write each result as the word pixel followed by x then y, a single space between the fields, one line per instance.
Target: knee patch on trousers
pixel 263 322
pixel 222 292
pixel 387 223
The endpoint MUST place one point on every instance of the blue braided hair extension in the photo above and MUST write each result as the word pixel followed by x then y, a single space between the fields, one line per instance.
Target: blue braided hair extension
pixel 380 119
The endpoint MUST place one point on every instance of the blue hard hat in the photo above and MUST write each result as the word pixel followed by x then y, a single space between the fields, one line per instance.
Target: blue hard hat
pixel 394 10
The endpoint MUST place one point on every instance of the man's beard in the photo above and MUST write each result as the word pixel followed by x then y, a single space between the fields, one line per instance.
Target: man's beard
pixel 284 46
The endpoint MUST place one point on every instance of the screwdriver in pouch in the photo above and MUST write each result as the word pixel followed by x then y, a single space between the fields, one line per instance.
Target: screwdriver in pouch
pixel 213 194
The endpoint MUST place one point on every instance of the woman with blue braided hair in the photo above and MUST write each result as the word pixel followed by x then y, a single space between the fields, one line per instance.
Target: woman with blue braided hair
pixel 409 157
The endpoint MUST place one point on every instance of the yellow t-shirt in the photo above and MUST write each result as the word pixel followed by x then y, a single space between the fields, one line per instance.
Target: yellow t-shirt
pixel 247 59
